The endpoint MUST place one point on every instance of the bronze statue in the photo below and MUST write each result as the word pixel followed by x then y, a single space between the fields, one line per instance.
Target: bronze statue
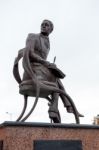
pixel 42 78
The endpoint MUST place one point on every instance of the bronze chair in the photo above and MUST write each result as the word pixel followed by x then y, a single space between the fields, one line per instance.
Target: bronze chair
pixel 37 89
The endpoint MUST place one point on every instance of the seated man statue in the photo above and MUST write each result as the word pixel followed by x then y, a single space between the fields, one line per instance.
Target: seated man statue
pixel 35 60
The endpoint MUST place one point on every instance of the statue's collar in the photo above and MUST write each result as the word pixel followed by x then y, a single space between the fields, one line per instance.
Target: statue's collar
pixel 44 36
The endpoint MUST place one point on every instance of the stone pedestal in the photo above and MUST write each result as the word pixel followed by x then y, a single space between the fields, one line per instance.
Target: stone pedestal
pixel 24 136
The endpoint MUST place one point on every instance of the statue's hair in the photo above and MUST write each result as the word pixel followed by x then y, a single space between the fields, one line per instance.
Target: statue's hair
pixel 51 24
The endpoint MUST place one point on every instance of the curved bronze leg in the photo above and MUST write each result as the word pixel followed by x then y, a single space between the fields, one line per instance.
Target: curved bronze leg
pixel 51 120
pixel 32 109
pixel 24 108
pixel 74 109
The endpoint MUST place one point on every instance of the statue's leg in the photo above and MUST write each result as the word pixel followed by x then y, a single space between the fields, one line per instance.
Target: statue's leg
pixel 65 100
pixel 53 109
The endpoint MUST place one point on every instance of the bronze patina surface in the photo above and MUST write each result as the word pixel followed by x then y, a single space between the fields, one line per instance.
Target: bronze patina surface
pixel 42 78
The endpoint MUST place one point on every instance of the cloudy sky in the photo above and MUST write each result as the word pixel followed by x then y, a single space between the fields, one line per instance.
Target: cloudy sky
pixel 74 42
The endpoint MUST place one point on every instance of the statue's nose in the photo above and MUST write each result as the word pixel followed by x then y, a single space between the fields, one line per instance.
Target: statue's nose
pixel 43 25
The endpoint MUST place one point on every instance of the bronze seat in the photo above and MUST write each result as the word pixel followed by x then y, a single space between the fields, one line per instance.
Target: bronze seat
pixel 29 89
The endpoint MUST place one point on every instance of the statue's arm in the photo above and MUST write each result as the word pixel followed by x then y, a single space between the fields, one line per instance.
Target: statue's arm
pixel 30 45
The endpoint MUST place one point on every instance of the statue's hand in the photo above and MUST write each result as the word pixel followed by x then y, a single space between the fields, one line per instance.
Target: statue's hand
pixel 52 65
pixel 46 63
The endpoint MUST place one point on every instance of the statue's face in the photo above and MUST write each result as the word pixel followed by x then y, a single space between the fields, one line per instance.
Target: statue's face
pixel 45 27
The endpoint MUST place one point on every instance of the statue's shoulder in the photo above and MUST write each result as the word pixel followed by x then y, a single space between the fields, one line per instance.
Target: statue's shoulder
pixel 33 35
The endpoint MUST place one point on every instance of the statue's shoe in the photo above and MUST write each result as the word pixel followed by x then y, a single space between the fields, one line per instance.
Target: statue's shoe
pixel 70 110
pixel 55 116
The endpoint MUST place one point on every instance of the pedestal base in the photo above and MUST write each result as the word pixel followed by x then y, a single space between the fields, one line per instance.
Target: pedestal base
pixel 25 136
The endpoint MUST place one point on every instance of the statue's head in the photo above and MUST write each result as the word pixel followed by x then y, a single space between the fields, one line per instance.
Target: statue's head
pixel 47 27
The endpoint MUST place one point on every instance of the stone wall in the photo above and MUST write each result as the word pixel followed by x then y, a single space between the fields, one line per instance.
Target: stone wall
pixel 21 136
